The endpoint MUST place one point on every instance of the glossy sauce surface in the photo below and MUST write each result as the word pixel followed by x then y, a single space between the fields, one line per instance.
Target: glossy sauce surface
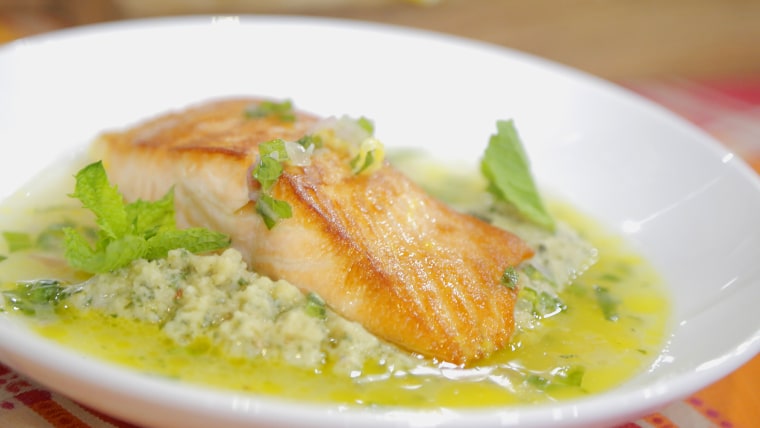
pixel 576 352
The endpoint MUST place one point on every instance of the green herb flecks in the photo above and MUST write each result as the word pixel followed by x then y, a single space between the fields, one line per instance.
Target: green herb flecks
pixel 126 232
pixel 510 278
pixel 315 306
pixel 369 158
pixel 560 377
pixel 607 303
pixel 310 140
pixel 505 165
pixel 367 125
pixel 272 155
pixel 18 241
pixel 31 297
pixel 281 110
pixel 267 172
pixel 272 210
pixel 544 305
pixel 360 163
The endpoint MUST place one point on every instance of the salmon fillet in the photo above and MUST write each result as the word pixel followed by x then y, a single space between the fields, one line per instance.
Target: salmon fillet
pixel 374 246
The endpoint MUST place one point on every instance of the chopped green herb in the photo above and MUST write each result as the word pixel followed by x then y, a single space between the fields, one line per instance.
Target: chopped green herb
pixel 370 157
pixel 607 303
pixel 267 172
pixel 281 110
pixel 360 163
pixel 367 125
pixel 570 376
pixel 272 154
pixel 272 210
pixel 564 376
pixel 18 241
pixel 127 232
pixel 2 257
pixel 274 149
pixel 315 306
pixel 505 165
pixel 510 278
pixel 537 381
pixel 310 140
pixel 544 305
pixel 31 296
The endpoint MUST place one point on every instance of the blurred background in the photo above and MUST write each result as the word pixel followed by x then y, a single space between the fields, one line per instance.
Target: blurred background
pixel 701 58
pixel 615 39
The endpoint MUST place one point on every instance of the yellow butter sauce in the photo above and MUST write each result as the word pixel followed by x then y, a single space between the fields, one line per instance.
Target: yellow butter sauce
pixel 575 353
pixel 609 352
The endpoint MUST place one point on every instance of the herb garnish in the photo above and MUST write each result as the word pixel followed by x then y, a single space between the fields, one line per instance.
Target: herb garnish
pixel 272 154
pixel 607 303
pixel 315 306
pixel 509 278
pixel 281 110
pixel 31 296
pixel 141 229
pixel 505 165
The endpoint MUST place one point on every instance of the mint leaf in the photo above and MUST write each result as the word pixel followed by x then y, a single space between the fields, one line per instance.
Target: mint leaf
pixel 267 172
pixel 505 165
pixel 105 201
pixel 195 240
pixel 274 149
pixel 141 229
pixel 147 218
pixel 107 256
pixel 272 210
pixel 272 154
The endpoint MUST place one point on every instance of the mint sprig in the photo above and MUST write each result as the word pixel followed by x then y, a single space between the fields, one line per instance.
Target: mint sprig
pixel 141 229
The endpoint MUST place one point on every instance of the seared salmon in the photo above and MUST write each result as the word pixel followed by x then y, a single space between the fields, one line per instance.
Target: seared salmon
pixel 374 246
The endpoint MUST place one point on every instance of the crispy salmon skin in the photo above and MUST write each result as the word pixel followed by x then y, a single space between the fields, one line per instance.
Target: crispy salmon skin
pixel 374 246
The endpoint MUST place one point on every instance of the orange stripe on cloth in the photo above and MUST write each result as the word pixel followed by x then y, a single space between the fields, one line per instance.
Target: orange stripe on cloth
pixel 43 404
pixel 734 401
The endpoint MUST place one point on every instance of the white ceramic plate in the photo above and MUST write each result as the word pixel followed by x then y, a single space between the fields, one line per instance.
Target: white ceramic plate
pixel 685 202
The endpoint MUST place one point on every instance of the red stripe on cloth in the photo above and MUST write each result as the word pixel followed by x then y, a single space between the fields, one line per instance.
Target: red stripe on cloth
pixel 710 413
pixel 43 404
